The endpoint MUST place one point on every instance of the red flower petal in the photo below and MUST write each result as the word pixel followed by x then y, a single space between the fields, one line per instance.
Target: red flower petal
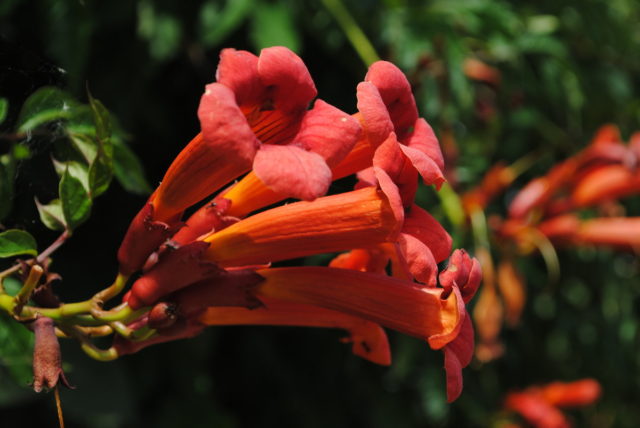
pixel 389 157
pixel 377 122
pixel 292 171
pixel 175 270
pixel 457 355
pixel 419 259
pixel 427 167
pixel 422 225
pixel 329 132
pixel 224 126
pixel 291 83
pixel 238 70
pixel 396 94
pixel 424 140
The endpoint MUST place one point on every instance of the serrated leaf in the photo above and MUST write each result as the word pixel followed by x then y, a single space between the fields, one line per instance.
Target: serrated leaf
pixel 76 203
pixel 47 104
pixel 272 25
pixel 128 169
pixel 51 214
pixel 100 175
pixel 14 242
pixel 4 108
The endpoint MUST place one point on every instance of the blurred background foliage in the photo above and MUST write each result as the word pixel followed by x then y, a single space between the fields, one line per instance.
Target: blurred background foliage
pixel 554 72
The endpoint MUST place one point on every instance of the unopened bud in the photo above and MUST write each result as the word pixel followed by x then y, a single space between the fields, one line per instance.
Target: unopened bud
pixel 47 360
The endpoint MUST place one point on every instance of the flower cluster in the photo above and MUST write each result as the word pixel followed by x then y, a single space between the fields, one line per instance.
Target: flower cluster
pixel 214 268
pixel 604 172
pixel 540 405
pixel 575 204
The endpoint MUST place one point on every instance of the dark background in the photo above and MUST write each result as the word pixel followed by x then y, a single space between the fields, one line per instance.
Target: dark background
pixel 567 67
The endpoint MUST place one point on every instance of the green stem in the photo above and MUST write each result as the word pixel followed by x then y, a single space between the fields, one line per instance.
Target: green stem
pixel 27 288
pixel 62 312
pixel 122 313
pixel 113 290
pixel 87 346
pixel 354 33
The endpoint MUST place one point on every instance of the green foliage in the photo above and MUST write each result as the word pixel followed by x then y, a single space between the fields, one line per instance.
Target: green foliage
pixel 46 105
pixel 272 25
pixel 217 21
pixel 565 66
pixel 51 214
pixel 15 242
pixel 74 200
pixel 16 343
pixel 85 162
pixel 128 169
pixel 4 106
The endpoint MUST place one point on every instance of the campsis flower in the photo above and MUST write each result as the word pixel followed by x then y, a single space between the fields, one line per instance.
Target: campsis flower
pixel 255 117
pixel 540 405
pixel 386 106
pixel 216 269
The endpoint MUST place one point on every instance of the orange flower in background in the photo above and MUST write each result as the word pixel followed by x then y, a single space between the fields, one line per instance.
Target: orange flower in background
pixel 549 211
pixel 540 406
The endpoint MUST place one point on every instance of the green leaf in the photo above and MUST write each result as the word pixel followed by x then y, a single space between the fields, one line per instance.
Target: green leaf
pixel 215 24
pixel 16 347
pixel 51 214
pixel 272 25
pixel 163 31
pixel 6 186
pixel 103 124
pixel 15 242
pixel 128 169
pixel 100 175
pixel 4 107
pixel 76 203
pixel 85 145
pixel 47 104
pixel 76 169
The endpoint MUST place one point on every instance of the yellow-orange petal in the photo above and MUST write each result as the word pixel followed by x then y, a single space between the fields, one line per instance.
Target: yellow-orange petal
pixel 368 338
pixel 359 158
pixel 356 219
pixel 250 194
pixel 196 172
pixel 396 304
